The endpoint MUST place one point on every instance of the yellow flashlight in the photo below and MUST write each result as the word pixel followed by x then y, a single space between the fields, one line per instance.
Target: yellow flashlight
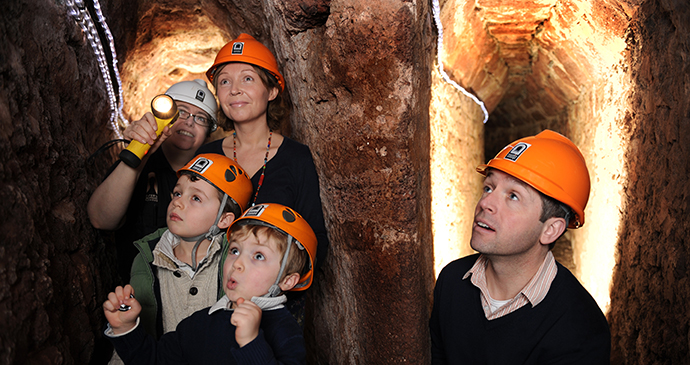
pixel 165 112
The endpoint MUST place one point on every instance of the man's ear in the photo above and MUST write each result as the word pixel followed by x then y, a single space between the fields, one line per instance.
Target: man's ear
pixel 553 228
pixel 226 220
pixel 289 281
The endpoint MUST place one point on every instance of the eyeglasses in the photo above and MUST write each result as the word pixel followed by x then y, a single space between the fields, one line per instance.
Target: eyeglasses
pixel 199 119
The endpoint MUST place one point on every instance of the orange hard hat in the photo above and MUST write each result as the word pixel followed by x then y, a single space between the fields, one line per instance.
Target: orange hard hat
pixel 550 163
pixel 224 174
pixel 289 222
pixel 246 49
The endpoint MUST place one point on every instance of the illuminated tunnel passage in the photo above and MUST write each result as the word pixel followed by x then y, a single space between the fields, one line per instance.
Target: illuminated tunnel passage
pixel 535 66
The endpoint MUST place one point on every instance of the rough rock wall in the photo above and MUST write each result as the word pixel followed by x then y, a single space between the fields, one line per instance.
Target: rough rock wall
pixel 650 319
pixel 360 85
pixel 177 40
pixel 53 112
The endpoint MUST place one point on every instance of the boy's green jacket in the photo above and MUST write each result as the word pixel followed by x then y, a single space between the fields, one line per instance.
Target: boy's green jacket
pixel 146 286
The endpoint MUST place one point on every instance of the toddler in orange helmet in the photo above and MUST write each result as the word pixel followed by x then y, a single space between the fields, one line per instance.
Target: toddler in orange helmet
pixel 513 303
pixel 271 250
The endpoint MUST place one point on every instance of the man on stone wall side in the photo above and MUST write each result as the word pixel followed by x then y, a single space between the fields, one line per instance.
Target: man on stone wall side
pixel 513 303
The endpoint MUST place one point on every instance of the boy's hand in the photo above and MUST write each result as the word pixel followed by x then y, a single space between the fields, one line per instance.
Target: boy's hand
pixel 116 310
pixel 144 131
pixel 246 319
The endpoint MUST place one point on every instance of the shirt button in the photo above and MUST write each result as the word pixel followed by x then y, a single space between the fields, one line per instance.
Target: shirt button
pixel 193 290
pixel 177 274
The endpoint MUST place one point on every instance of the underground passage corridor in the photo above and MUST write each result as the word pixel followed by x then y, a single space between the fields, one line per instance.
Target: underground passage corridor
pixel 399 102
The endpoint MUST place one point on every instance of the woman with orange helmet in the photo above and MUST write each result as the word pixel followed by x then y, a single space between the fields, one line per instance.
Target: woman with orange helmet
pixel 513 303
pixel 249 88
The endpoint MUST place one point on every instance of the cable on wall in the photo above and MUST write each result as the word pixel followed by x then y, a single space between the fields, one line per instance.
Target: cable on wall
pixel 439 27
pixel 77 9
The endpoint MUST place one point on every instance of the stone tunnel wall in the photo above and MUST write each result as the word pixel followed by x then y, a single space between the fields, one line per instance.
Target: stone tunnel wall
pixel 360 85
pixel 53 264
pixel 649 317
pixel 457 131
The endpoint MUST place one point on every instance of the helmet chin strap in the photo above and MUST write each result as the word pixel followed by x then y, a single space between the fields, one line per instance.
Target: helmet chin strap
pixel 213 231
pixel 275 290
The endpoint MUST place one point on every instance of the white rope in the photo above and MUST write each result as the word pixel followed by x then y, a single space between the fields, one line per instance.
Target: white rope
pixel 111 44
pixel 77 9
pixel 439 27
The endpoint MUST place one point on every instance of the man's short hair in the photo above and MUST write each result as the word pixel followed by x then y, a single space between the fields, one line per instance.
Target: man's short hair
pixel 552 208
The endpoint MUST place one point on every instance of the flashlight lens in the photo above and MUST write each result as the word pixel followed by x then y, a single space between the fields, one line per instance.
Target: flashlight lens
pixel 162 104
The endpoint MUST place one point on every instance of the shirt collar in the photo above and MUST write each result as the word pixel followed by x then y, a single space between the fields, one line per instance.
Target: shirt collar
pixel 263 303
pixel 536 289
pixel 164 254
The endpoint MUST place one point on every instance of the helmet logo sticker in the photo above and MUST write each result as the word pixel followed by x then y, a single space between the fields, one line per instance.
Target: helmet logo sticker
pixel 255 211
pixel 200 95
pixel 517 151
pixel 237 47
pixel 201 165
pixel 230 174
pixel 288 216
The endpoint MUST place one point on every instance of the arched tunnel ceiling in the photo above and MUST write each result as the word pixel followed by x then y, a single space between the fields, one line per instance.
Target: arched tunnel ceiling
pixel 527 60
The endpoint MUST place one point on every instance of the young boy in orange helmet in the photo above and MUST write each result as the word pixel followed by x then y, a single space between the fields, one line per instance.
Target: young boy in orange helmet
pixel 272 250
pixel 513 303
pixel 177 270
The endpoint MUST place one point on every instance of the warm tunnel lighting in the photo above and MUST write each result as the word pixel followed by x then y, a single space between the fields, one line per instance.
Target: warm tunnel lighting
pixel 183 54
pixel 456 149
pixel 594 114
pixel 593 245
pixel 604 147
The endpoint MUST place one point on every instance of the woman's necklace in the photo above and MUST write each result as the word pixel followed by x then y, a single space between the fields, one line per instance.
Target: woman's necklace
pixel 263 169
